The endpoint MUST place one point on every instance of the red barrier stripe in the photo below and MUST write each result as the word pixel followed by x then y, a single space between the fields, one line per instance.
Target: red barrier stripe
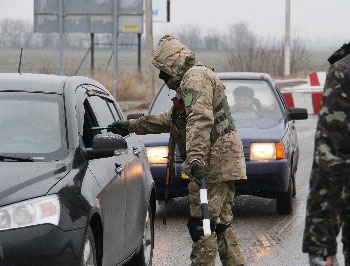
pixel 316 101
pixel 289 98
pixel 314 79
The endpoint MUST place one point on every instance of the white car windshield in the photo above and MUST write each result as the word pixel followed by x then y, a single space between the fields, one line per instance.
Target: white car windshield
pixel 263 101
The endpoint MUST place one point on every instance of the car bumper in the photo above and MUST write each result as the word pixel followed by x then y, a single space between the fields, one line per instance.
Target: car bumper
pixel 40 246
pixel 178 186
pixel 265 179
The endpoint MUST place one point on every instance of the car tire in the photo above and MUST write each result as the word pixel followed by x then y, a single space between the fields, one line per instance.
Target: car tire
pixel 294 192
pixel 284 200
pixel 88 257
pixel 145 255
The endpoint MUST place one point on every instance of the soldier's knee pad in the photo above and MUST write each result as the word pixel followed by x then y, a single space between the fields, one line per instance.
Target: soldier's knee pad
pixel 195 227
pixel 220 228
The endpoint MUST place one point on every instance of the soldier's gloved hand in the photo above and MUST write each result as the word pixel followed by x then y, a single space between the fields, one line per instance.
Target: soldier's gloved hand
pixel 316 260
pixel 119 127
pixel 198 171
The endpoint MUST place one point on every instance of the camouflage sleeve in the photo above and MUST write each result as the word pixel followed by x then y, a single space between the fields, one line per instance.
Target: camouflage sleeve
pixel 198 98
pixel 329 183
pixel 150 124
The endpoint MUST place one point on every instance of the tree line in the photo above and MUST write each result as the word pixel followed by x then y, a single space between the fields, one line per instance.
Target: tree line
pixel 244 49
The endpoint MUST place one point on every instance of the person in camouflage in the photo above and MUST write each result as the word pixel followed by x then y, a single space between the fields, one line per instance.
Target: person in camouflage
pixel 200 121
pixel 328 202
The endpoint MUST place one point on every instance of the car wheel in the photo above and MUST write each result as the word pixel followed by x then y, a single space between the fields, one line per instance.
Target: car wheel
pixel 89 252
pixel 284 200
pixel 145 255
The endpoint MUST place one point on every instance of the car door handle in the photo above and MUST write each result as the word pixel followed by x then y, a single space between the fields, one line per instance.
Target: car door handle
pixel 118 167
pixel 136 151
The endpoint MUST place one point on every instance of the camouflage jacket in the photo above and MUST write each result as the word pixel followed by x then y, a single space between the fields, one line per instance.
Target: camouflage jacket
pixel 202 93
pixel 329 194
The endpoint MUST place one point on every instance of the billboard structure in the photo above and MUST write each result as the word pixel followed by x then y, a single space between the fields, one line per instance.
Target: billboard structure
pixel 89 16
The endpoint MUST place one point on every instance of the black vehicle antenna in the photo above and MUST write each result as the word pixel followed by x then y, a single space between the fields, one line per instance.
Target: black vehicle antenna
pixel 20 63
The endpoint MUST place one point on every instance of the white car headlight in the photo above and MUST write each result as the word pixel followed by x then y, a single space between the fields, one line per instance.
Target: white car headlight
pixel 43 210
pixel 157 155
pixel 267 151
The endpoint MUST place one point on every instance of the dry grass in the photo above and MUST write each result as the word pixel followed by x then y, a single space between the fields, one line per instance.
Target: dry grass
pixel 129 86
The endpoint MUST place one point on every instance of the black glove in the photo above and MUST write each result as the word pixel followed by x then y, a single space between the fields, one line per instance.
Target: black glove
pixel 198 171
pixel 119 127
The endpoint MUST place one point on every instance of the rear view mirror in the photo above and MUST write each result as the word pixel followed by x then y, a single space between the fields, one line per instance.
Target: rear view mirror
pixel 297 114
pixel 106 145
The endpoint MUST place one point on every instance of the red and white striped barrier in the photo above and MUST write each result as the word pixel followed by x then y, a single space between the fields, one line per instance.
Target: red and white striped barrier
pixel 317 78
pixel 307 96
pixel 311 100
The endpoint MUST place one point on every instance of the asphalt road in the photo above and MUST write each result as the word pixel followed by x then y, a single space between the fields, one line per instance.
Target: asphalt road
pixel 267 238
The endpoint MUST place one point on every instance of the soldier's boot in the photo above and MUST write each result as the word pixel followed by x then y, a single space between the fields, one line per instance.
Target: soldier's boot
pixel 204 251
pixel 229 246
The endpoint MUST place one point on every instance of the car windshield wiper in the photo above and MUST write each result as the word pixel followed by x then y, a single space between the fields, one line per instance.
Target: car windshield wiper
pixel 16 158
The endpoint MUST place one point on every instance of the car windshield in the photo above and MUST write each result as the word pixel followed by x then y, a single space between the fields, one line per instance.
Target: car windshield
pixel 249 100
pixel 31 126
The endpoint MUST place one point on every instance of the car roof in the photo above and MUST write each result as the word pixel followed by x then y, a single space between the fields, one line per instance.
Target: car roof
pixel 32 82
pixel 244 75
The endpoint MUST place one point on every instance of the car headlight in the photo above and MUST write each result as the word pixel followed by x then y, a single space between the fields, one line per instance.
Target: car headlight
pixel 157 154
pixel 267 151
pixel 43 210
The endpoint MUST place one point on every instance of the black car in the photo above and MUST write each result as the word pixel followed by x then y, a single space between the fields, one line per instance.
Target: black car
pixel 71 193
pixel 268 134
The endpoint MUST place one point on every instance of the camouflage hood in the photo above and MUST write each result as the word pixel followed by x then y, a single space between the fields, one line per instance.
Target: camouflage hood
pixel 173 57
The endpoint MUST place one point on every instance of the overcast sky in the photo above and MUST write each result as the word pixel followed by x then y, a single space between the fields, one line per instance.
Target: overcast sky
pixel 309 18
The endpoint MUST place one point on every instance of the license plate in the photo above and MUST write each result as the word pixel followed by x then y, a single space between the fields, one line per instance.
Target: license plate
pixel 184 176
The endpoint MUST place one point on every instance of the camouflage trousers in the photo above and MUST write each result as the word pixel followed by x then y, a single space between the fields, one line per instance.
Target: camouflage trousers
pixel 220 202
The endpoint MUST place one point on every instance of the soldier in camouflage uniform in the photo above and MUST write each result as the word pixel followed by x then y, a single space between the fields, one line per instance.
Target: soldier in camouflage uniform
pixel 201 123
pixel 328 203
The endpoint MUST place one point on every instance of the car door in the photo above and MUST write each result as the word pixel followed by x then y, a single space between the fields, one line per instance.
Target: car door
pixel 110 175
pixel 136 205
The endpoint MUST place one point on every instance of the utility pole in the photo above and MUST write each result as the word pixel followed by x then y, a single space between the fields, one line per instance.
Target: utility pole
pixel 149 47
pixel 287 41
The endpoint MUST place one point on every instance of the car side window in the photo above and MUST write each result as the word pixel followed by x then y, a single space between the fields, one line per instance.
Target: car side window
pixel 116 112
pixel 98 113
pixel 89 122
pixel 101 110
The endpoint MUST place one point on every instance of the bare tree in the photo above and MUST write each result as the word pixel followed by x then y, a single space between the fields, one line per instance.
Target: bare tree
pixel 191 36
pixel 247 52
pixel 300 57
pixel 15 33
pixel 213 41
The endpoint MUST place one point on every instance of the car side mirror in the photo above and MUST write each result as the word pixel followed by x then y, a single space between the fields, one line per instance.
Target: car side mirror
pixel 297 114
pixel 105 145
pixel 134 116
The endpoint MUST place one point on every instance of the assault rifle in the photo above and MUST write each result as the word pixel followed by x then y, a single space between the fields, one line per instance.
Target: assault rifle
pixel 170 172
